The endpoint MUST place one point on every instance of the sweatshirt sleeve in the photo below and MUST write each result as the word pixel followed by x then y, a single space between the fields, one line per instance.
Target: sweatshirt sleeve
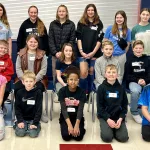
pixel 51 40
pixel 61 97
pixel 72 35
pixel 120 75
pixel 38 112
pixel 101 113
pixel 20 38
pixel 147 77
pixel 19 71
pixel 43 70
pixel 124 105
pixel 18 111
pixel 98 74
pixel 9 70
pixel 79 31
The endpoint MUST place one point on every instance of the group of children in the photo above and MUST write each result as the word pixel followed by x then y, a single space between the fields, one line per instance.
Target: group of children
pixel 31 67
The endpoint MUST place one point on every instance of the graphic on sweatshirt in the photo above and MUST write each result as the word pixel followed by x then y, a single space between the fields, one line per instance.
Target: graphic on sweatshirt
pixel 138 66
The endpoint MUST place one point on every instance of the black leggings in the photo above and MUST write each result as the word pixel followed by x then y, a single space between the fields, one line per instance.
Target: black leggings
pixel 146 132
pixel 64 130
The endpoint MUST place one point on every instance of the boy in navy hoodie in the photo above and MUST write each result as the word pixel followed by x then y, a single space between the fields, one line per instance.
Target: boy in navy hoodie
pixel 28 107
pixel 112 107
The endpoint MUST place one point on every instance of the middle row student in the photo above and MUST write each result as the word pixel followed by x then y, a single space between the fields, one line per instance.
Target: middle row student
pixel 103 61
pixel 33 59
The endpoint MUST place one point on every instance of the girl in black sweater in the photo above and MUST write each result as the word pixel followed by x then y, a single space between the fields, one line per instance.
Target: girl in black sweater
pixel 33 25
pixel 72 99
pixel 89 36
pixel 61 30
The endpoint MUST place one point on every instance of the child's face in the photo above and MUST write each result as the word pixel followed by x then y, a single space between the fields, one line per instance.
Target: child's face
pixel 138 50
pixel 145 15
pixel 62 13
pixel 73 81
pixel 107 50
pixel 33 14
pixel 32 44
pixel 3 50
pixel 68 51
pixel 29 83
pixel 1 12
pixel 111 74
pixel 119 19
pixel 90 12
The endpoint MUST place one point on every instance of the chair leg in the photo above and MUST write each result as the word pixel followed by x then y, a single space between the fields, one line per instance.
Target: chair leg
pixel 46 102
pixel 89 102
pixel 93 115
pixel 51 106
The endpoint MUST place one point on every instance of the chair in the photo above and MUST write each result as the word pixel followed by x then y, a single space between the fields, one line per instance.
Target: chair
pixel 91 101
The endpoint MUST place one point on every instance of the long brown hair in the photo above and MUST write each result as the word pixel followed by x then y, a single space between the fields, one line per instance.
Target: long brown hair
pixel 40 24
pixel 84 19
pixel 67 16
pixel 62 58
pixel 32 36
pixel 115 29
pixel 4 16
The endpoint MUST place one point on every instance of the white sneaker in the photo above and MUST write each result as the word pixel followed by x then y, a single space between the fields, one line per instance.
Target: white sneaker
pixel 137 118
pixel 55 98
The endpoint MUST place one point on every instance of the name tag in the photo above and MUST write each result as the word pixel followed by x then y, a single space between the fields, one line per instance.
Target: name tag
pixel 32 58
pixel 29 30
pixel 94 28
pixel 114 95
pixel 136 64
pixel 71 110
pixel 31 102
pixel 1 62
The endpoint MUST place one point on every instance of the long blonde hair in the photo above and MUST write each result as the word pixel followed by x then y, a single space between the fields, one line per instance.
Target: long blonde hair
pixel 4 16
pixel 40 24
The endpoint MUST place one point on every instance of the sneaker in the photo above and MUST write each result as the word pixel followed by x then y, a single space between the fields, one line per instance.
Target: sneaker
pixel 137 118
pixel 44 118
pixel 55 98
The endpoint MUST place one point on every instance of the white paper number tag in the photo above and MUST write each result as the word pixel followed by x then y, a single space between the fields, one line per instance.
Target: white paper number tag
pixel 135 64
pixel 1 62
pixel 94 28
pixel 32 58
pixel 147 31
pixel 29 30
pixel 71 110
pixel 114 95
pixel 31 102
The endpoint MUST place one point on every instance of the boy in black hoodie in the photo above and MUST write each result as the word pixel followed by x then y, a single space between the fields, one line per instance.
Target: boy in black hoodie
pixel 137 75
pixel 28 107
pixel 112 107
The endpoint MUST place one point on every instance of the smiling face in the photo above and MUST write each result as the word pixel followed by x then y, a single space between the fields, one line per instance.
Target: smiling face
pixel 33 14
pixel 145 16
pixel 3 50
pixel 138 50
pixel 62 12
pixel 68 51
pixel 107 50
pixel 111 75
pixel 90 12
pixel 1 12
pixel 32 44
pixel 119 19
pixel 73 81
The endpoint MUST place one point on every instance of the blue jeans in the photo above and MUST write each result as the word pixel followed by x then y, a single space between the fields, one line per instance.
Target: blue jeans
pixel 135 93
pixel 26 130
pixel 90 62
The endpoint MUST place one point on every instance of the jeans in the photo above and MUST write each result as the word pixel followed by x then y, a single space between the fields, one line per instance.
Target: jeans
pixel 135 93
pixel 2 125
pixel 26 130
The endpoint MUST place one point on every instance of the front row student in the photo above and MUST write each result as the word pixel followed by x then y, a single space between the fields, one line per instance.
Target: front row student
pixel 28 107
pixel 112 105
pixel 144 101
pixel 72 99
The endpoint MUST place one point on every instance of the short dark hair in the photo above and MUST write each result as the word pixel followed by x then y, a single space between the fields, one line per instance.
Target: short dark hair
pixel 138 42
